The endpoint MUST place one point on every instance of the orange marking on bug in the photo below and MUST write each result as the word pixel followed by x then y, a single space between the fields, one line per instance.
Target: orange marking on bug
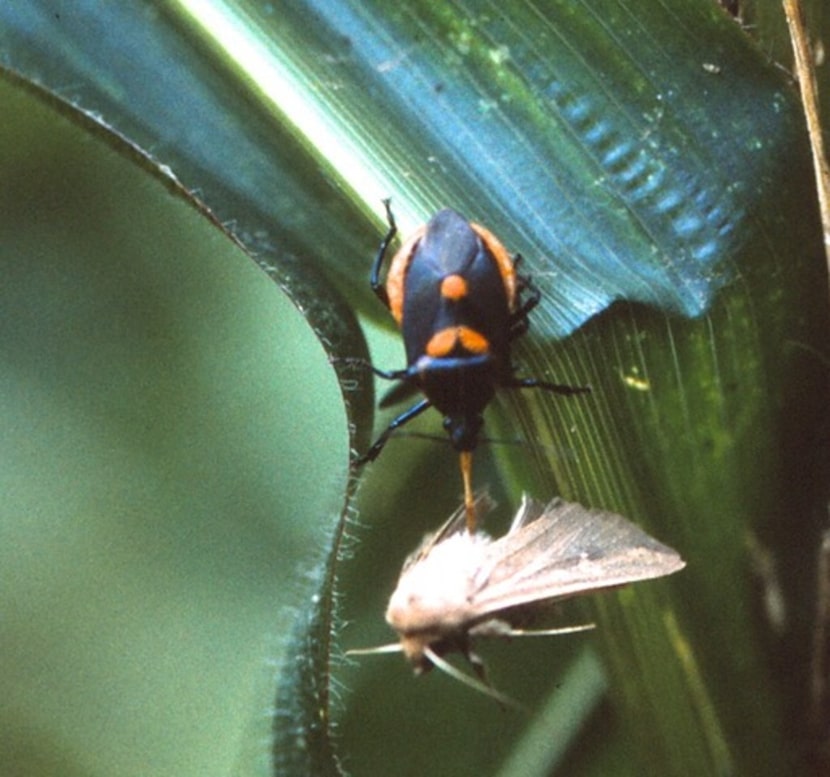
pixel 503 260
pixel 396 277
pixel 473 341
pixel 443 343
pixel 454 288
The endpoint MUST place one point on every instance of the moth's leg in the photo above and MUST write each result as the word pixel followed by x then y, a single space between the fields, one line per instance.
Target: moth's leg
pixel 478 665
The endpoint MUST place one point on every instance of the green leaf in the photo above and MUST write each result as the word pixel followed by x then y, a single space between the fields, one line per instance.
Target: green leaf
pixel 174 441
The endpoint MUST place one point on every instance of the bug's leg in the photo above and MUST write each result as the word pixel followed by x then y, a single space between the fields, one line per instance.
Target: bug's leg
pixel 405 389
pixel 519 323
pixel 396 423
pixel 519 319
pixel 356 361
pixel 374 280
pixel 556 388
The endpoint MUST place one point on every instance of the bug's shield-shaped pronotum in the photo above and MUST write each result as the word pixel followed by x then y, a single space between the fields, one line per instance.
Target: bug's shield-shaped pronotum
pixel 459 586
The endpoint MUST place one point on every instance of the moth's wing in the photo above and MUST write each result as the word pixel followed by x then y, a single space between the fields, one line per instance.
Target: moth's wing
pixel 456 523
pixel 566 551
pixel 529 510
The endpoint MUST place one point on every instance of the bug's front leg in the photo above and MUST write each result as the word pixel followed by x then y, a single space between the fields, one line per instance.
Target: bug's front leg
pixel 377 286
pixel 396 423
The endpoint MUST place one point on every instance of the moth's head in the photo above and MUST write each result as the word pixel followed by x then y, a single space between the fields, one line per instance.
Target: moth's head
pixel 426 651
pixel 423 651
pixel 415 647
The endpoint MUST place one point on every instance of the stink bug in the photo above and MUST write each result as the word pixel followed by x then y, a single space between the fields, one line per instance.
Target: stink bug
pixel 454 291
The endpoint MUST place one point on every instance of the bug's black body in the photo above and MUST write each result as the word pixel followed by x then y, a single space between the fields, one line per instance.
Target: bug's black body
pixel 450 247
pixel 456 295
pixel 458 383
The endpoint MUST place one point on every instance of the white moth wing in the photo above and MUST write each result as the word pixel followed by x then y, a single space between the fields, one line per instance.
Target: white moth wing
pixel 529 510
pixel 565 550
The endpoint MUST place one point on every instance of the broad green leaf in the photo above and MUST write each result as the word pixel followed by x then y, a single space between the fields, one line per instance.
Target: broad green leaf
pixel 174 441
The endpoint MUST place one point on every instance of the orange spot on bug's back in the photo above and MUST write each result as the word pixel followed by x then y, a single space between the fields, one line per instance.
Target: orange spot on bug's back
pixel 473 341
pixel 453 288
pixel 443 343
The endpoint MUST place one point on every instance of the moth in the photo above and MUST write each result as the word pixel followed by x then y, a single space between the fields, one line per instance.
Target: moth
pixel 458 587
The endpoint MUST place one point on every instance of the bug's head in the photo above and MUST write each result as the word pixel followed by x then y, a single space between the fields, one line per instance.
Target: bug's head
pixel 463 430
